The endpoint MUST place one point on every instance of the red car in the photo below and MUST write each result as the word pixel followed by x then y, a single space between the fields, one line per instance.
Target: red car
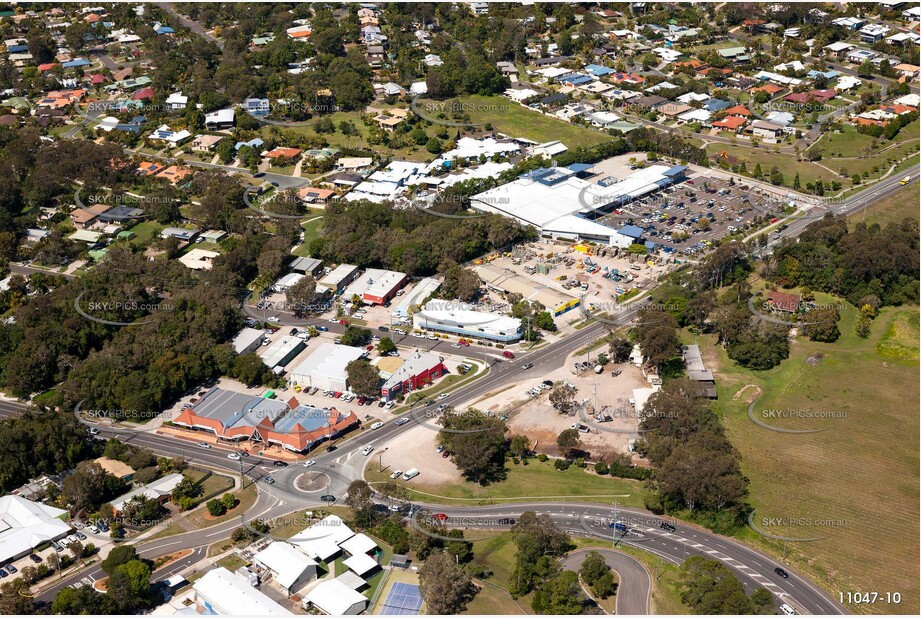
pixel 508 354
pixel 361 401
pixel 440 517
pixel 369 347
pixel 337 395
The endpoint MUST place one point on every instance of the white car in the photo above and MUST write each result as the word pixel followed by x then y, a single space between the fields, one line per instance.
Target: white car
pixel 456 346
pixel 309 463
pixel 396 474
pixel 367 450
pixel 431 337
pixel 418 336
pixel 94 431
pixel 204 445
pixel 442 396
pixel 388 405
pixel 333 320
pixel 789 611
pixel 377 425
pixel 234 456
pixel 274 318
pixel 93 529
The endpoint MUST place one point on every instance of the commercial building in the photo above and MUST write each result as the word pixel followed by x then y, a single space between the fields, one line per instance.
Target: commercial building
pixel 241 417
pixel 421 291
pixel 223 593
pixel 159 490
pixel 336 598
pixel 282 352
pixel 556 302
pixel 325 368
pixel 306 266
pixel 375 286
pixel 247 340
pixel 417 371
pixel 290 568
pixel 561 205
pixel 24 525
pixel 462 319
pixel 338 278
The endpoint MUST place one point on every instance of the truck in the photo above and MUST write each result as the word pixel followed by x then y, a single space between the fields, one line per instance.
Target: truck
pixel 410 474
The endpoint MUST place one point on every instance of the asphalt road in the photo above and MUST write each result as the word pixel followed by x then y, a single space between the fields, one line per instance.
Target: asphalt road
pixel 633 591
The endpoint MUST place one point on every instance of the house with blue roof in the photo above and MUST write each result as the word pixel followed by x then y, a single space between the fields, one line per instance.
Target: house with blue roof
pixel 73 64
pixel 160 29
pixel 826 74
pixel 575 79
pixel 597 70
pixel 256 143
pixel 715 105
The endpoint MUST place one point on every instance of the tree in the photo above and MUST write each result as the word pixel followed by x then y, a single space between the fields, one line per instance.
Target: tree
pixel 568 441
pixel 301 297
pixel 605 586
pixel 460 283
pixel 709 587
pixel 364 380
pixel 822 325
pixel 360 498
pixel 619 348
pixel 386 346
pixel 15 598
pixel 544 321
pixel 562 398
pixel 592 568
pixel 447 587
pixel 120 554
pixel 76 549
pixel 560 595
pixel 356 336
pixel 659 343
pixel 476 442
pixel 229 501
pixel 129 585
pixel 90 485
pixel 519 446
pixel 215 507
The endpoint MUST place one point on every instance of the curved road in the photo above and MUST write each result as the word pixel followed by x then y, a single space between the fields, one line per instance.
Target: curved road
pixel 633 592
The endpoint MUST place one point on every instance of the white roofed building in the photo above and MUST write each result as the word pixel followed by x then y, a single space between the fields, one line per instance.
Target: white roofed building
pixel 25 524
pixel 290 568
pixel 336 598
pixel 223 593
pixel 325 367
pixel 462 319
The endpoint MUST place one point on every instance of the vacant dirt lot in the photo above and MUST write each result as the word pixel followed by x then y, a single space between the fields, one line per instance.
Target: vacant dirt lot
pixel 416 449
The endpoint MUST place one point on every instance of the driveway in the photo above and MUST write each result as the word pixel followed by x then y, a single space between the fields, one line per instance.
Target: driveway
pixel 633 592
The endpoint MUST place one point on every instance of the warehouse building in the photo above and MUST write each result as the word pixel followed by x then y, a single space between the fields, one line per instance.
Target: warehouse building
pixel 375 286
pixel 241 417
pixel 418 371
pixel 461 319
pixel 307 266
pixel 282 352
pixel 325 368
pixel 338 278
pixel 556 302
pixel 562 205
pixel 247 340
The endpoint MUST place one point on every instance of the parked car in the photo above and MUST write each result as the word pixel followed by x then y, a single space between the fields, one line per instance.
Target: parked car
pixel 441 448
pixel 93 529
pixel 396 474
pixel 11 569
pixel 79 535
pixel 35 558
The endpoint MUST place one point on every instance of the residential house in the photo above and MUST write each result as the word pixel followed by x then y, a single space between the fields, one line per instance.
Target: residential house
pixel 765 129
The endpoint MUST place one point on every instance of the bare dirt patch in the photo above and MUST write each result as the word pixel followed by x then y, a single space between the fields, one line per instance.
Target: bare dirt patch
pixel 416 449
pixel 753 391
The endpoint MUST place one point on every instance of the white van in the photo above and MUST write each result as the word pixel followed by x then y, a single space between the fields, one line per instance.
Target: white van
pixel 410 474
pixel 789 611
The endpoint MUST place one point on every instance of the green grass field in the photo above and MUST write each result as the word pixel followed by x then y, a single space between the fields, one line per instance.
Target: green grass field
pixel 859 475
pixel 512 119
pixel 535 481
pixel 893 209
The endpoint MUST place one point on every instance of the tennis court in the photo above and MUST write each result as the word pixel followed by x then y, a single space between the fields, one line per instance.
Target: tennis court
pixel 402 600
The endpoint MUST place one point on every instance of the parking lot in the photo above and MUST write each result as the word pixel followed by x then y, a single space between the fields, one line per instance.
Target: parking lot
pixel 674 218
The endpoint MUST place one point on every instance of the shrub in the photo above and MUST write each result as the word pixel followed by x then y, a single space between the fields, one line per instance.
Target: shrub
pixel 216 508
pixel 561 464
pixel 542 457
pixel 601 468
